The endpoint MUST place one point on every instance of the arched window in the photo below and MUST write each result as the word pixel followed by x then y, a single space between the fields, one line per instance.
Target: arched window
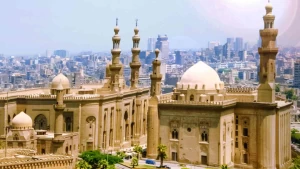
pixel 192 98
pixel 204 136
pixel 174 134
pixel 16 137
pixel 40 122
pixel 66 150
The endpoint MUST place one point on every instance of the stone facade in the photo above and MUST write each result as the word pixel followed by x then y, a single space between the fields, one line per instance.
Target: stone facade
pixel 202 122
pixel 111 116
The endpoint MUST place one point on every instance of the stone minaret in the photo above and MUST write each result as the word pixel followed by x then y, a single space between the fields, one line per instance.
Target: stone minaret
pixel 115 67
pixel 266 119
pixel 59 108
pixel 152 116
pixel 156 76
pixel 135 64
pixel 268 52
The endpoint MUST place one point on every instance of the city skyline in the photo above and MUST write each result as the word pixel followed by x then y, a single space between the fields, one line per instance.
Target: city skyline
pixel 33 27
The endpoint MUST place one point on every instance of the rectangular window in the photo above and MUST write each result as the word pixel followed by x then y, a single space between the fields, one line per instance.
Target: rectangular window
pixel 236 121
pixel 236 144
pixel 236 133
pixel 245 132
pixel 174 156
pixel 245 146
pixel 245 156
pixel 236 127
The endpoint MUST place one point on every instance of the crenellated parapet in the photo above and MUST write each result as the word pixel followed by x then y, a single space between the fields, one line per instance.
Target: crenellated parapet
pixel 240 90
pixel 43 161
pixel 198 103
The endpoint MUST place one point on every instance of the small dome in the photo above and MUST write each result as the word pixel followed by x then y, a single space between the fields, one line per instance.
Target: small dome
pixel 200 75
pixel 60 79
pixel 22 120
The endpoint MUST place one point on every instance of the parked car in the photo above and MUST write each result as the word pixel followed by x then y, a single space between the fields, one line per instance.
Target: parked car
pixel 150 161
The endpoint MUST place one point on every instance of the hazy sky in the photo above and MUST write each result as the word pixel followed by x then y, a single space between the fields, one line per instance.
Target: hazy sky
pixel 33 26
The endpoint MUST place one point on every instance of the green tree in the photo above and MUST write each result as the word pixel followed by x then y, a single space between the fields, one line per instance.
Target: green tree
pixel 224 166
pixel 93 158
pixel 103 164
pixel 121 154
pixel 277 88
pixel 138 149
pixel 294 97
pixel 289 93
pixel 83 165
pixel 134 162
pixel 296 163
pixel 162 149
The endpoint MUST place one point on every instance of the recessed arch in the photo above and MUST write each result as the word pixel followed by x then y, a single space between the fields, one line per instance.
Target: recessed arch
pixel 40 122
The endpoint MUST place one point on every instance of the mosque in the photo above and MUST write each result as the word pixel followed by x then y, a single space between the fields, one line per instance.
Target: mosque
pixel 202 122
pixel 104 117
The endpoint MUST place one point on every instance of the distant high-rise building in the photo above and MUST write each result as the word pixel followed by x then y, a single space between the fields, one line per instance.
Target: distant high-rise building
pixel 61 53
pixel 297 73
pixel 151 44
pixel 226 51
pixel 212 45
pixel 163 45
pixel 239 45
pixel 49 53
pixel 230 42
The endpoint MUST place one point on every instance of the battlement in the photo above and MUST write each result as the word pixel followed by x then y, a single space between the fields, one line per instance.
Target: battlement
pixel 197 103
pixel 22 161
pixel 165 97
pixel 241 90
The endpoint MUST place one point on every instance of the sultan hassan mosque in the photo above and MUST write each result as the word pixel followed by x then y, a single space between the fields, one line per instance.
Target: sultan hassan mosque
pixel 200 122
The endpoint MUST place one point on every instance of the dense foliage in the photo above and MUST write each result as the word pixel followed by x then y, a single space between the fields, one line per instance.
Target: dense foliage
pixel 83 165
pixel 93 158
pixel 295 136
pixel 296 163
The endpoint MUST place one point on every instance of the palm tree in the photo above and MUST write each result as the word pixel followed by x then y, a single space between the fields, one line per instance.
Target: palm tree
pixel 103 164
pixel 138 149
pixel 134 162
pixel 83 165
pixel 162 149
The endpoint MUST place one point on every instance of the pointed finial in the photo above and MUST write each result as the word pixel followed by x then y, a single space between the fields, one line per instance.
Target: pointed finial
pixel 156 53
pixel 117 21
pixel 136 22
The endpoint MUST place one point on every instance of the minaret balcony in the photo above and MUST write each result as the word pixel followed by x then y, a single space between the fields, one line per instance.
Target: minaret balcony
pixel 59 107
pixel 157 76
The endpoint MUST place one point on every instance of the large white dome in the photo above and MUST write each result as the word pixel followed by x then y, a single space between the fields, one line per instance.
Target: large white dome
pixel 22 120
pixel 60 79
pixel 200 76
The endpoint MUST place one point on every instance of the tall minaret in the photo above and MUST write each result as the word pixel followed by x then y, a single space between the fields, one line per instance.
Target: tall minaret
pixel 268 52
pixel 152 116
pixel 156 76
pixel 135 63
pixel 115 67
pixel 59 108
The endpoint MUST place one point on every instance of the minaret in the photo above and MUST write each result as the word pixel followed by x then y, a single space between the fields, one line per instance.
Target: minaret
pixel 268 52
pixel 135 63
pixel 115 67
pixel 59 108
pixel 156 76
pixel 152 116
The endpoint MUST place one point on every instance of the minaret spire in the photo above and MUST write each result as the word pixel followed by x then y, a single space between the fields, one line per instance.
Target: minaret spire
pixel 268 52
pixel 156 76
pixel 135 63
pixel 115 67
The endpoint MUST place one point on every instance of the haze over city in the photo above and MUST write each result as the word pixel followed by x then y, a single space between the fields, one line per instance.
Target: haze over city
pixel 32 26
